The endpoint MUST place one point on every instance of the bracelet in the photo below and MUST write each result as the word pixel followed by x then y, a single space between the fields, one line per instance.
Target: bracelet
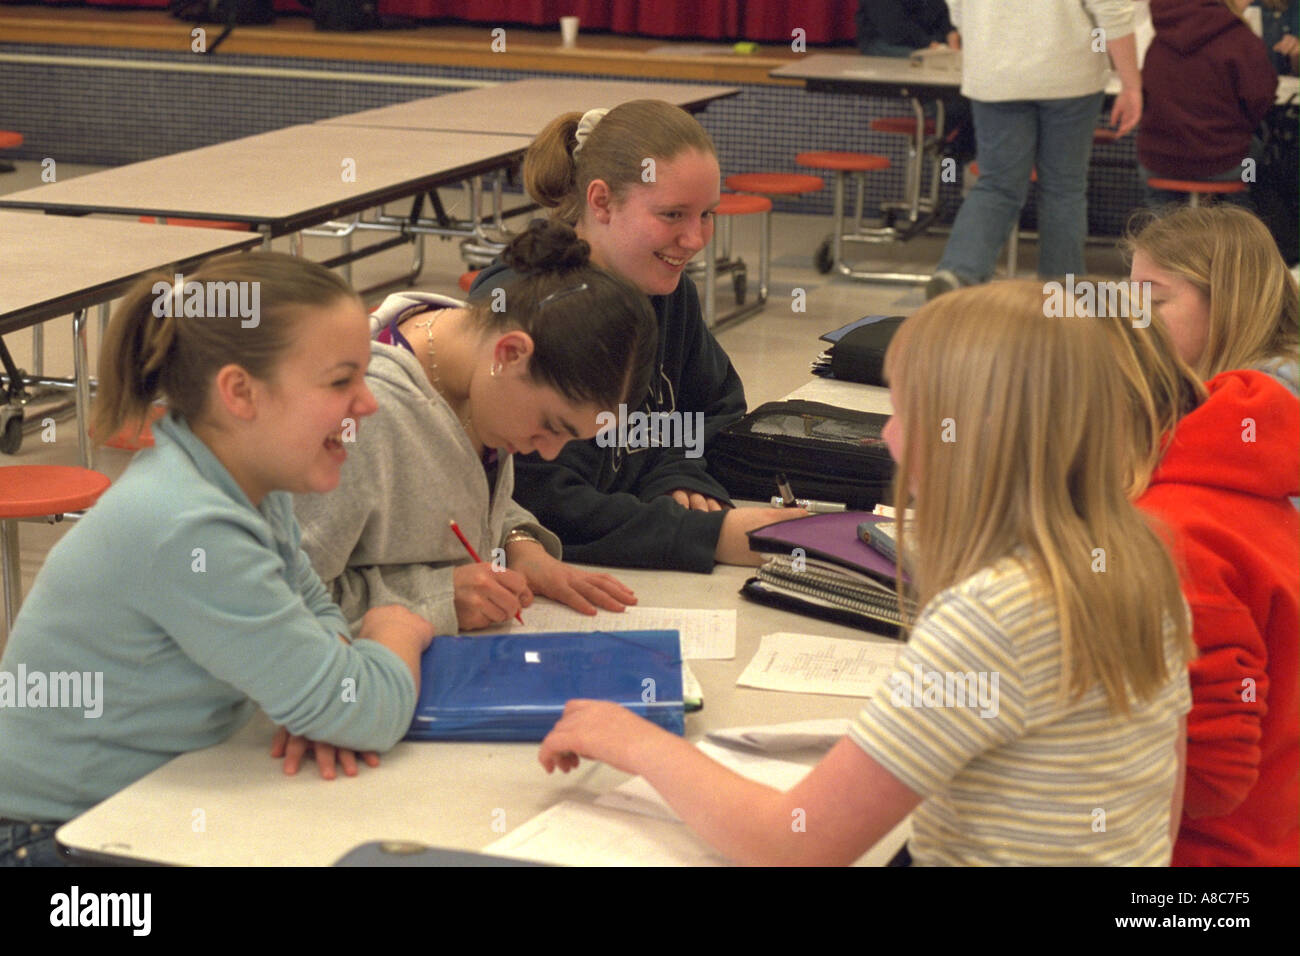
pixel 519 534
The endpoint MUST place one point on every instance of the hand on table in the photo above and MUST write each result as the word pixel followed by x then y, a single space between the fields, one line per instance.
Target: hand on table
pixel 584 591
pixel 292 748
pixel 695 501
pixel 598 730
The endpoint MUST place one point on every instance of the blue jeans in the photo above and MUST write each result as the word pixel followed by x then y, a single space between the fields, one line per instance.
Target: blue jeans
pixel 1012 139
pixel 29 844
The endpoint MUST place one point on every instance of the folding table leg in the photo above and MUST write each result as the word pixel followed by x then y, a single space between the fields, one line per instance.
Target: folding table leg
pixel 11 572
pixel 81 374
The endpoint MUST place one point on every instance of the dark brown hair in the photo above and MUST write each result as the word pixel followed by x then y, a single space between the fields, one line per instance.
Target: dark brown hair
pixel 615 152
pixel 594 334
pixel 169 342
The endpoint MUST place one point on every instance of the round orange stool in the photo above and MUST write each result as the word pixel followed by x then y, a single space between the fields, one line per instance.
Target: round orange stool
pixel 9 140
pixel 1195 189
pixel 467 279
pixel 730 205
pixel 774 184
pixel 830 254
pixel 37 491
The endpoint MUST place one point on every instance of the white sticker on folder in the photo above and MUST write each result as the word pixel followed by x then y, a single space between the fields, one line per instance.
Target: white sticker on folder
pixel 532 657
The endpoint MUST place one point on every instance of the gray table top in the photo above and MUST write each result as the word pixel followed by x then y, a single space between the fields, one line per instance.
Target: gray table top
pixel 281 181
pixel 440 794
pixel 890 75
pixel 524 107
pixel 57 264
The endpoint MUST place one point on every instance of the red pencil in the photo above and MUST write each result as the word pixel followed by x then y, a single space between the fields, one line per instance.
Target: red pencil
pixel 474 555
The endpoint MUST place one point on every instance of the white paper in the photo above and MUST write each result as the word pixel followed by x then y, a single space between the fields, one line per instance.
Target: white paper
pixel 577 834
pixel 811 664
pixel 637 796
pixel 820 734
pixel 706 634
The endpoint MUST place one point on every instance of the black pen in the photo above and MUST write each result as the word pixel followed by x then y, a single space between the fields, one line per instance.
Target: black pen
pixel 784 489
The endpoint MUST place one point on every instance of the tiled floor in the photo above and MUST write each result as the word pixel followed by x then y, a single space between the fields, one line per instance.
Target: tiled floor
pixel 771 350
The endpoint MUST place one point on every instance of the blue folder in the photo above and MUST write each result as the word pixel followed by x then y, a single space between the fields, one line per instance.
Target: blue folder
pixel 515 686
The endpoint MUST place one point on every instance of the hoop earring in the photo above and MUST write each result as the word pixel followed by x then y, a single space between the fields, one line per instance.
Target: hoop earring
pixel 495 370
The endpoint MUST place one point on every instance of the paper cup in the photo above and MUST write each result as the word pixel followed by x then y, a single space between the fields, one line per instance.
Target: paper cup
pixel 568 31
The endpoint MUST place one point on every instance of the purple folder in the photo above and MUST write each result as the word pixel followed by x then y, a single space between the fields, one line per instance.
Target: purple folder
pixel 829 537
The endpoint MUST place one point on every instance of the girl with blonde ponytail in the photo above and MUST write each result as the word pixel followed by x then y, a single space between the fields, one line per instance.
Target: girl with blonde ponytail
pixel 184 591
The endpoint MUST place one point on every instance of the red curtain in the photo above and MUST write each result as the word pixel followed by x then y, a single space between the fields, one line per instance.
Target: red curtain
pixel 764 21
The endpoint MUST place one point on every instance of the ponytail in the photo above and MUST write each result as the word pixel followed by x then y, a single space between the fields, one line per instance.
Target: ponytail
pixel 614 151
pixel 171 333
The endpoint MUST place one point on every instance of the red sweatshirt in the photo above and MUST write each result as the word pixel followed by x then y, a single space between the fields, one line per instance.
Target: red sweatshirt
pixel 1222 488
pixel 1207 81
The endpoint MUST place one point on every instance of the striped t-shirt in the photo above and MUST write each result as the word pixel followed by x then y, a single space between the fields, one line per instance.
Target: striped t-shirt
pixel 970 719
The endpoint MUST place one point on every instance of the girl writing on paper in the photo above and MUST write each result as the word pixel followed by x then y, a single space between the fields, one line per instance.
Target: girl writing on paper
pixel 1041 572
pixel 182 600
pixel 462 389
pixel 639 183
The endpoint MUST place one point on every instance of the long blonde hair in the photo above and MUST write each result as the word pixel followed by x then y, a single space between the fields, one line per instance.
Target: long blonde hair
pixel 1016 446
pixel 1161 387
pixel 1232 259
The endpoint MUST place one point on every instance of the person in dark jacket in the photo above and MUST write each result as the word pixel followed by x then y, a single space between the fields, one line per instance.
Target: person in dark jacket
pixel 898 27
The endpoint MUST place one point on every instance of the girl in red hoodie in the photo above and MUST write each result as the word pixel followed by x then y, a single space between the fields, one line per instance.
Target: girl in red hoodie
pixel 1219 462
pixel 1206 83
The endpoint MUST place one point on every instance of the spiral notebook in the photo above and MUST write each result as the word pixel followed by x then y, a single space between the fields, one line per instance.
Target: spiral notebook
pixel 820 567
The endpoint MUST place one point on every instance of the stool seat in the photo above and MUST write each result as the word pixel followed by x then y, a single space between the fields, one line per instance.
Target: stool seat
pixel 128 439
pixel 467 279
pixel 9 139
pixel 844 162
pixel 1196 186
pixel 33 491
pixel 734 204
pixel 774 184
pixel 202 223
pixel 900 124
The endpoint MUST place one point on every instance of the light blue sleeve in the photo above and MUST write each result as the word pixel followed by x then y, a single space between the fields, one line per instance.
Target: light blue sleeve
pixel 265 629
pixel 305 579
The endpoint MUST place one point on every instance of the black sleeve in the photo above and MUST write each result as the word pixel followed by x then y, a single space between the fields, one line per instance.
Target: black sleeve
pixel 706 382
pixel 613 527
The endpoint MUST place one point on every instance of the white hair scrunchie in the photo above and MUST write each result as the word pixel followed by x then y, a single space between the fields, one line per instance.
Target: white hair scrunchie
pixel 585 126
